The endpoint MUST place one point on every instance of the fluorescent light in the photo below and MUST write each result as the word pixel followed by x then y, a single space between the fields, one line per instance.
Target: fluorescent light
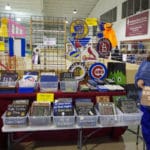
pixel 7 7
pixel 18 19
pixel 75 11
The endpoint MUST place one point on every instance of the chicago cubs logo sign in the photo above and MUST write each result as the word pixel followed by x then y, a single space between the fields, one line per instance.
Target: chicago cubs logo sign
pixel 97 71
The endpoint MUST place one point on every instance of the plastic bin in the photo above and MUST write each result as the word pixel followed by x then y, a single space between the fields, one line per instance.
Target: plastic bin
pixel 111 120
pixel 132 118
pixel 6 90
pixel 27 87
pixel 87 121
pixel 69 86
pixel 14 121
pixel 48 86
pixel 64 121
pixel 39 120
pixel 7 87
pixel 40 114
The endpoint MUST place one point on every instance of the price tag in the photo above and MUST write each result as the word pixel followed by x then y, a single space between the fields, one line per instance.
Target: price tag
pixel 45 97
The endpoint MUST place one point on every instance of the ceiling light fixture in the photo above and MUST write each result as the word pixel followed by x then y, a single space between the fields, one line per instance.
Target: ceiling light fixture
pixel 75 11
pixel 7 7
pixel 18 19
pixel 67 21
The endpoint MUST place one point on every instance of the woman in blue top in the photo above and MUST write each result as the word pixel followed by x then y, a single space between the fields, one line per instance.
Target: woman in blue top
pixel 142 78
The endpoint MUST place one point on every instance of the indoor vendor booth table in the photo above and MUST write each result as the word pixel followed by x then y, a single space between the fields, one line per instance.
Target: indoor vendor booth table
pixel 10 131
pixel 53 133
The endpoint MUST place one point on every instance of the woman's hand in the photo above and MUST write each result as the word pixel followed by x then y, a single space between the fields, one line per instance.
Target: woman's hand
pixel 140 84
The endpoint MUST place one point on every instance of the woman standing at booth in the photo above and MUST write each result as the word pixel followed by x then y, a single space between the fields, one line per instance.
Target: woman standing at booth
pixel 142 79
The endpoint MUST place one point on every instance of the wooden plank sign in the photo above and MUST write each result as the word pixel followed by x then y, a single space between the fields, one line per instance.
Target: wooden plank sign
pixel 145 99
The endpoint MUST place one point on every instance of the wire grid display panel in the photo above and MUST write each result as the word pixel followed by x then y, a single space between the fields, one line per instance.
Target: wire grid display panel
pixel 7 62
pixel 49 35
pixel 14 63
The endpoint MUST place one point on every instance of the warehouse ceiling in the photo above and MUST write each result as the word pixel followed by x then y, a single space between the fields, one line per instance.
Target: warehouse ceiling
pixel 55 8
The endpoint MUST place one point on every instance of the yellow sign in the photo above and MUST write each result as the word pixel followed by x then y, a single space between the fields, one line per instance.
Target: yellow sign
pixel 2 46
pixel 91 21
pixel 45 97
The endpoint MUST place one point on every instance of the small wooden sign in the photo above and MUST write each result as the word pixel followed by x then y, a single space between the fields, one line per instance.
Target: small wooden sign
pixel 145 99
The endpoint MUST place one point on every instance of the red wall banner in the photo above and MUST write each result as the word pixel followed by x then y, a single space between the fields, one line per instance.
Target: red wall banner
pixel 137 24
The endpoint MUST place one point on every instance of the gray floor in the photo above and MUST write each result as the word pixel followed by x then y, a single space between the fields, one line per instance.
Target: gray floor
pixel 126 142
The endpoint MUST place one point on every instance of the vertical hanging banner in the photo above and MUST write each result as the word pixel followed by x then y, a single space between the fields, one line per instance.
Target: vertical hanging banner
pixel 137 24
pixel 17 47
pixel 11 46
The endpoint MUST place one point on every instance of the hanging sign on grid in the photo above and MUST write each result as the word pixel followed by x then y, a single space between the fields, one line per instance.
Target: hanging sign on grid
pixel 16 29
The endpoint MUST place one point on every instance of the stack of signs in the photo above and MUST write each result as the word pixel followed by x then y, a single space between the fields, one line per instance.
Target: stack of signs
pixel 128 106
pixel 63 108
pixel 84 87
pixel 86 113
pixel 109 81
pixel 102 99
pixel 85 108
pixel 68 82
pixel 94 83
pixel 67 76
pixel 18 108
pixel 114 87
pixel 107 108
pixel 102 88
pixel 117 99
pixel 40 114
pixel 40 109
pixel 8 79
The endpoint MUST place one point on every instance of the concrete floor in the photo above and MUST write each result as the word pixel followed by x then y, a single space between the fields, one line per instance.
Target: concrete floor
pixel 126 142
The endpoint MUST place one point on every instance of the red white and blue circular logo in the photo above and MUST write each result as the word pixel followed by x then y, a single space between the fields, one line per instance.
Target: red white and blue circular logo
pixel 104 47
pixel 97 71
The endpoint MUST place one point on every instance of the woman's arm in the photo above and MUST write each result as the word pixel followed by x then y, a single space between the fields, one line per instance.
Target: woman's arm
pixel 139 82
